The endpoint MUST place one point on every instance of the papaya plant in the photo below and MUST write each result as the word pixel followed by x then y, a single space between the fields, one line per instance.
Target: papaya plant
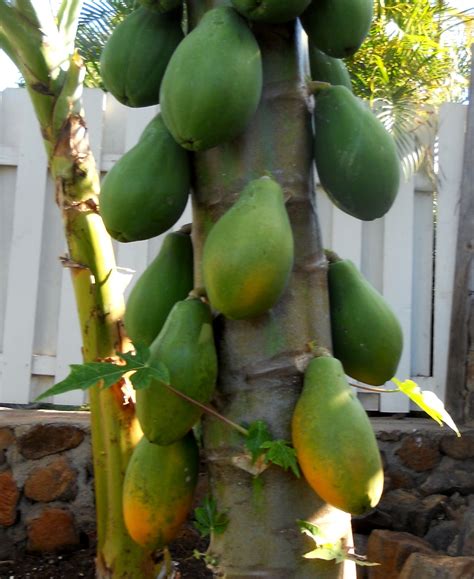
pixel 233 93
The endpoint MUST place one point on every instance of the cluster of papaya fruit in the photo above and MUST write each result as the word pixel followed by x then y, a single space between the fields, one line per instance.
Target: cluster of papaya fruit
pixel 209 84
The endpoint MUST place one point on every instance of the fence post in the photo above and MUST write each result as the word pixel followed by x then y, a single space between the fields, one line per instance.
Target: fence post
pixel 458 399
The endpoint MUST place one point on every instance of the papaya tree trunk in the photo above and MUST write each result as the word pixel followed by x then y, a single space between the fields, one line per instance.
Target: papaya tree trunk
pixel 260 360
pixel 55 92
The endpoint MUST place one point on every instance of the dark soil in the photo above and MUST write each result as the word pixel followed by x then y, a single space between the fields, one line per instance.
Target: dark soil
pixel 80 563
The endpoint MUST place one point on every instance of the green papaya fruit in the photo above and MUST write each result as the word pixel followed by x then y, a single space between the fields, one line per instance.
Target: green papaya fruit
pixel 186 347
pixel 273 11
pixel 248 254
pixel 325 68
pixel 355 156
pixel 338 27
pixel 168 279
pixel 161 6
pixel 146 191
pixel 334 441
pixel 213 83
pixel 367 337
pixel 137 53
pixel 158 490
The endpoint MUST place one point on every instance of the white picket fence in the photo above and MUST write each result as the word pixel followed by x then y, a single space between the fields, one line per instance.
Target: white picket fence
pixel 39 332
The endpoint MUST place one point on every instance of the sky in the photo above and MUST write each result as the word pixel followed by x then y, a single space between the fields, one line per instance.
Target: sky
pixel 9 74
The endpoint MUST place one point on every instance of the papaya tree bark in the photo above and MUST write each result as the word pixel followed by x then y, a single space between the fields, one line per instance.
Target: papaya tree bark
pixel 260 361
pixel 43 50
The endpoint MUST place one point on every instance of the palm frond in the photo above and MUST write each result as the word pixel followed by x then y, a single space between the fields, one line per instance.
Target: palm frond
pixel 97 20
pixel 413 128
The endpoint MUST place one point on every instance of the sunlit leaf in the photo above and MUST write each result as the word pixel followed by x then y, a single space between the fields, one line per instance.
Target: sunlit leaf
pixel 427 401
pixel 327 549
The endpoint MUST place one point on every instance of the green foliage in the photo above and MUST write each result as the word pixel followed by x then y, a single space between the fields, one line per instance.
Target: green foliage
pixel 208 519
pixel 261 445
pixel 404 57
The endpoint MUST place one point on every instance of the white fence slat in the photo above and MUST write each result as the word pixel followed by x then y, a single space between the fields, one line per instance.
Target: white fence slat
pixel 24 263
pixel 69 348
pixel 422 284
pixel 451 153
pixel 40 334
pixel 7 191
pixel 94 102
pixel 113 137
pixel 397 281
pixel 373 243
pixel 346 236
pixel 8 155
pixel 11 108
pixel 49 282
pixel 325 208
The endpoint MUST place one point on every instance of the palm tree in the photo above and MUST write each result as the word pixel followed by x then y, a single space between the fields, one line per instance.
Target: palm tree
pixel 415 57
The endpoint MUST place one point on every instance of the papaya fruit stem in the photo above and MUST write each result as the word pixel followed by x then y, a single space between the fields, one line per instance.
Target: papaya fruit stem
pixel 374 388
pixel 198 292
pixel 315 86
pixel 186 228
pixel 208 410
pixel 168 562
pixel 332 256
pixel 318 351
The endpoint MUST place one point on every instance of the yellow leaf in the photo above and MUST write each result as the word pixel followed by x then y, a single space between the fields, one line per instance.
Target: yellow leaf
pixel 427 401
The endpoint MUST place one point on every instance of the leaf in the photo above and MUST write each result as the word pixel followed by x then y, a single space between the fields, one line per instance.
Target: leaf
pixel 327 549
pixel 313 531
pixel 258 434
pixel 136 358
pixel 427 401
pixel 282 454
pixel 328 553
pixel 84 376
pixel 208 519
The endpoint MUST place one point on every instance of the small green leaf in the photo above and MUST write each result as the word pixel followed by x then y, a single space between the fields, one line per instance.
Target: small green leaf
pixel 208 519
pixel 280 452
pixel 427 401
pixel 258 434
